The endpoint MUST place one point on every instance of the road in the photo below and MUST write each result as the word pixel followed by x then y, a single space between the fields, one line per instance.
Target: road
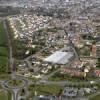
pixel 51 74
pixel 61 83
pixel 11 64
pixel 71 44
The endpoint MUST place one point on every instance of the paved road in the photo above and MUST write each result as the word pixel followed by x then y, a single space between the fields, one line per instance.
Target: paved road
pixel 71 44
pixel 11 61
pixel 51 74
pixel 61 83
pixel 15 94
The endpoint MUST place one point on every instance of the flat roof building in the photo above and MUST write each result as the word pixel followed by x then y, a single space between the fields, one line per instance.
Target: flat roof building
pixel 59 57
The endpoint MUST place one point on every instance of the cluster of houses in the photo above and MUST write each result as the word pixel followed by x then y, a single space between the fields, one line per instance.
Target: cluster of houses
pixel 25 25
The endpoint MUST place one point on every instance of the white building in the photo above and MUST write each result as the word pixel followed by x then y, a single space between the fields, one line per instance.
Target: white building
pixel 59 57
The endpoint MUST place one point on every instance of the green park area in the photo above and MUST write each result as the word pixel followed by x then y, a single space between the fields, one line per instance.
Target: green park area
pixel 45 89
pixel 3 50
pixel 96 97
pixel 14 83
pixel 3 37
pixel 4 95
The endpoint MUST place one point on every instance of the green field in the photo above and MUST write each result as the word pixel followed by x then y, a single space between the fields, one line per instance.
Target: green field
pixel 3 64
pixel 46 89
pixel 96 97
pixel 3 50
pixel 3 95
pixel 3 37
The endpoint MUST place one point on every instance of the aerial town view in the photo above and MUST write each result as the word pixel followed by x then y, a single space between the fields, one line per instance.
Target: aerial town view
pixel 49 49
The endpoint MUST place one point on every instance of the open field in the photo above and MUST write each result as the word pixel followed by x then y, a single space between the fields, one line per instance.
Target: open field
pixel 3 37
pixel 3 95
pixel 3 64
pixel 3 50
pixel 96 97
pixel 45 89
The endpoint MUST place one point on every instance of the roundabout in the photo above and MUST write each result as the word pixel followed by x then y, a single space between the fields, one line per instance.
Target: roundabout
pixel 15 83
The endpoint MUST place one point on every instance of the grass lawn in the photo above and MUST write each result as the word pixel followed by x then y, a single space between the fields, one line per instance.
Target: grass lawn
pixel 96 97
pixel 9 95
pixel 3 50
pixel 3 95
pixel 3 64
pixel 45 89
pixel 4 76
pixel 3 37
pixel 15 83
